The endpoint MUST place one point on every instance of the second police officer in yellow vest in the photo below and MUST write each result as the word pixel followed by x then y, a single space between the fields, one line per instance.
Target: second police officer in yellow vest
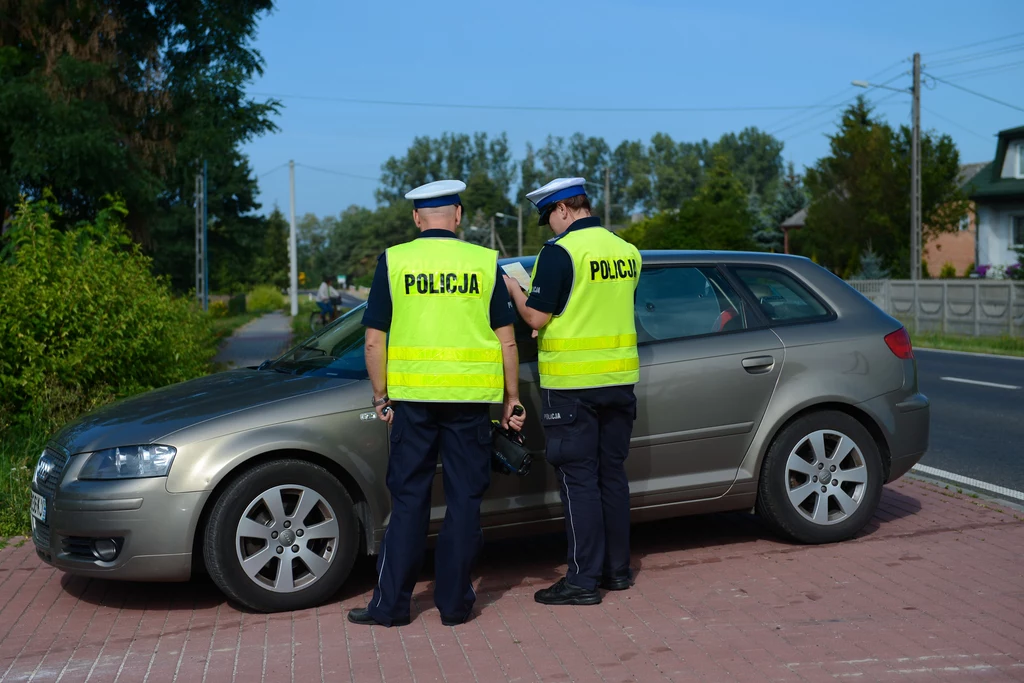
pixel 439 350
pixel 581 302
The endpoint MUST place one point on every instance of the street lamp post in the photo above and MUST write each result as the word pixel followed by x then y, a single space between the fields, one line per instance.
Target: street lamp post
pixel 519 228
pixel 915 166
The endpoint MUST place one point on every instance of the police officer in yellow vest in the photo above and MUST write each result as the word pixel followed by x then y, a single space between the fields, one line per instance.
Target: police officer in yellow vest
pixel 439 350
pixel 581 301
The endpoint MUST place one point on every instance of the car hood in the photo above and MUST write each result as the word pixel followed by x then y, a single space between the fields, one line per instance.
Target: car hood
pixel 149 417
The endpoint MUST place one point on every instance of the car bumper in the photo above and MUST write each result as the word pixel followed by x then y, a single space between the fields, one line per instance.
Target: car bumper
pixel 152 530
pixel 905 421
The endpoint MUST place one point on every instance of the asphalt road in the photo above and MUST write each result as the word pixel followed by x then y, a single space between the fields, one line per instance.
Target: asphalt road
pixel 977 426
pixel 349 301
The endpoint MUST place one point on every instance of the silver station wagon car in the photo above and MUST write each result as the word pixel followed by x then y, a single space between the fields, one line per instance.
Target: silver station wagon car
pixel 767 384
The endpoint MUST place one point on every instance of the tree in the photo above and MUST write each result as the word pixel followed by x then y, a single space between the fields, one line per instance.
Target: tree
pixel 755 158
pixel 113 97
pixel 717 217
pixel 449 156
pixel 871 267
pixel 861 193
pixel 271 263
pixel 789 198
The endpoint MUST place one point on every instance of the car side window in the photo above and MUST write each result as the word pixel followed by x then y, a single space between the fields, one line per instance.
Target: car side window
pixel 674 302
pixel 780 296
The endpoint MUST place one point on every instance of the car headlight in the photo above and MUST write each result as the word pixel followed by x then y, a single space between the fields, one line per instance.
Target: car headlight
pixel 129 462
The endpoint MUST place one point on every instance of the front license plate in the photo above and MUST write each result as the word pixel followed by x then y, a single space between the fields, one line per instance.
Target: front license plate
pixel 38 507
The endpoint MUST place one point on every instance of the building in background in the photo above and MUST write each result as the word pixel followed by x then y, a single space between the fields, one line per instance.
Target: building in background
pixel 997 191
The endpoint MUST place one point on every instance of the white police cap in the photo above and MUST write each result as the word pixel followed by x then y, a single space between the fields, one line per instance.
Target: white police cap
pixel 546 197
pixel 437 193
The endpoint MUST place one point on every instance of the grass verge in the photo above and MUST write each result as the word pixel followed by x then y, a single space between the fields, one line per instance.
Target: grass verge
pixel 300 323
pixel 223 327
pixel 1005 345
pixel 19 451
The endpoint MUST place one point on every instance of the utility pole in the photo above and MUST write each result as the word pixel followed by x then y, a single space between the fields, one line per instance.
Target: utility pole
pixel 206 248
pixel 519 227
pixel 608 198
pixel 292 250
pixel 200 244
pixel 915 176
pixel 492 232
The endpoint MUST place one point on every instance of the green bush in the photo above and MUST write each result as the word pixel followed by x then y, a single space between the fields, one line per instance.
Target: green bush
pixel 265 298
pixel 236 305
pixel 948 271
pixel 218 309
pixel 83 320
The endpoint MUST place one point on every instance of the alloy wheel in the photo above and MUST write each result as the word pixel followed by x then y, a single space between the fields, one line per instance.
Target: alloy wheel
pixel 287 538
pixel 826 477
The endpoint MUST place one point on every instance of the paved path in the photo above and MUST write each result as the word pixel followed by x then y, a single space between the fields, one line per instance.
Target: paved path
pixel 977 425
pixel 931 591
pixel 256 341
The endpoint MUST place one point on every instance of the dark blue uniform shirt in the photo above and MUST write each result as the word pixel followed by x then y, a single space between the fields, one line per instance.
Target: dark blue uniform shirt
pixel 553 278
pixel 378 305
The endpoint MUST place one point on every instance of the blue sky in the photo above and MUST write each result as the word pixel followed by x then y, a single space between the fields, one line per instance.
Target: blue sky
pixel 643 53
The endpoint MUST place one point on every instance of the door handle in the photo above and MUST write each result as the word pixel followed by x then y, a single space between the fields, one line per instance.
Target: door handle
pixel 758 364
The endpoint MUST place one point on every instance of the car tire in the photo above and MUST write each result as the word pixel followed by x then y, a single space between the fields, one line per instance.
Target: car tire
pixel 255 524
pixel 821 479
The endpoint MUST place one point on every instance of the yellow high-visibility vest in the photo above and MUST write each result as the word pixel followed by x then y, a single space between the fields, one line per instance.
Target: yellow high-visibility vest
pixel 592 343
pixel 441 346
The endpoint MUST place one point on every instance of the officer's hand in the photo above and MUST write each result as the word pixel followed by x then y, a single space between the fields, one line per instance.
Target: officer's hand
pixel 509 420
pixel 512 285
pixel 385 413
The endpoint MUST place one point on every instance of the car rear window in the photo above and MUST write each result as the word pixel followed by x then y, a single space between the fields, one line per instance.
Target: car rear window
pixel 780 296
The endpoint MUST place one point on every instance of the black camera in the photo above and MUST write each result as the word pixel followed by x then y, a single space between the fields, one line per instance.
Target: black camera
pixel 509 454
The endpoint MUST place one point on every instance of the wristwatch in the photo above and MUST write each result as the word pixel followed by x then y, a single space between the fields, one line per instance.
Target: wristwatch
pixel 379 402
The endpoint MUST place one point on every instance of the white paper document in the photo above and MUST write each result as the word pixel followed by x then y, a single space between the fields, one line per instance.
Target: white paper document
pixel 516 271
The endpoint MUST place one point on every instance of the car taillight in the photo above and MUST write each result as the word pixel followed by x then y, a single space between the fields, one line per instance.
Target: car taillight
pixel 899 343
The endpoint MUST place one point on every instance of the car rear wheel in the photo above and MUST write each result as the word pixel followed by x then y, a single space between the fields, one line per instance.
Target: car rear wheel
pixel 283 536
pixel 821 479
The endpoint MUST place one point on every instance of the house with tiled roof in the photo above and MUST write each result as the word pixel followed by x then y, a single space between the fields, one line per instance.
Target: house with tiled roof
pixel 997 192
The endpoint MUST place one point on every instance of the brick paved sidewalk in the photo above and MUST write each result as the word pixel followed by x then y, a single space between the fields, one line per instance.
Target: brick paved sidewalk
pixel 931 591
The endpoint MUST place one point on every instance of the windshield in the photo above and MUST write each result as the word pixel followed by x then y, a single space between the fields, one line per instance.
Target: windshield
pixel 334 351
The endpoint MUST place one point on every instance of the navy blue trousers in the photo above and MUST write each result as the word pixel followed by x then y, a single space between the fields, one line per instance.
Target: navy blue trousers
pixel 587 433
pixel 462 434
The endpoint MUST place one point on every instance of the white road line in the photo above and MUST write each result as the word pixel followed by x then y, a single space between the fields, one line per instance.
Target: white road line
pixel 974 483
pixel 980 383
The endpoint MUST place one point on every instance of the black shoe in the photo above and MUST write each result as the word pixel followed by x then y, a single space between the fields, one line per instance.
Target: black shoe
pixel 564 593
pixel 619 583
pixel 454 621
pixel 364 618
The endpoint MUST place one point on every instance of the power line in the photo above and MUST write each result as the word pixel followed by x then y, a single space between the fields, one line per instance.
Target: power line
pixel 986 70
pixel 980 42
pixel 831 98
pixel 511 107
pixel 276 168
pixel 807 119
pixel 986 138
pixel 338 173
pixel 816 126
pixel 978 55
pixel 976 93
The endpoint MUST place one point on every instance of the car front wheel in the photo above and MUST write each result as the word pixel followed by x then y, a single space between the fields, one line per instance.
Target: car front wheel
pixel 283 536
pixel 821 479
